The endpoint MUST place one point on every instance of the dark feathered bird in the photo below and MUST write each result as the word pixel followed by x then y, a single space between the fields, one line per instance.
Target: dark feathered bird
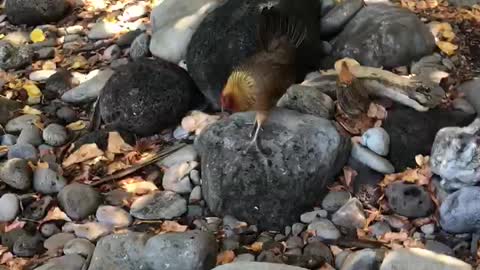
pixel 352 96
pixel 260 80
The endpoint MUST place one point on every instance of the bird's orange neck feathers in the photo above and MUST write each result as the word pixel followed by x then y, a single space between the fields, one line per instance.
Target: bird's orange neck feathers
pixel 236 94
pixel 345 75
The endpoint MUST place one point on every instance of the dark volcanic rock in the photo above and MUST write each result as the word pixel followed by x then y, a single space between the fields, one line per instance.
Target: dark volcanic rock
pixel 412 133
pixel 299 154
pixel 409 200
pixel 337 17
pixel 35 12
pixel 14 58
pixel 227 36
pixel 383 35
pixel 147 96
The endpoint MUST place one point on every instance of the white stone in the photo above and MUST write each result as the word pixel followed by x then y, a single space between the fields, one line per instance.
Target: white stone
pixel 421 259
pixel 41 75
pixel 104 30
pixel 88 90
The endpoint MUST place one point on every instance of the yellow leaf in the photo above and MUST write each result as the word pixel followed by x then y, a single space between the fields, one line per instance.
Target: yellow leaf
pixel 116 144
pixel 447 47
pixel 225 257
pixel 79 62
pixel 29 110
pixel 3 149
pixel 49 65
pixel 32 90
pixel 115 167
pixel 2 36
pixel 37 35
pixel 448 35
pixel 42 165
pixel 78 125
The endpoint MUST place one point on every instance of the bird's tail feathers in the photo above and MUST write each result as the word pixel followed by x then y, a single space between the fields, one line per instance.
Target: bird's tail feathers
pixel 274 25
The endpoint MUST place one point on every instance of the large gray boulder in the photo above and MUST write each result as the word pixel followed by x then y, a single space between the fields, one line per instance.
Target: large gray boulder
pixel 35 12
pixel 383 36
pixel 271 186
pixel 455 156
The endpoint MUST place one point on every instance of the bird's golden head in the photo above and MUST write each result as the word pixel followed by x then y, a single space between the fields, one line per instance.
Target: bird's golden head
pixel 238 92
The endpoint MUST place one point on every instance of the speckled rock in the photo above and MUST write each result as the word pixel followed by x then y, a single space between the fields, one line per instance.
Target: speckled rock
pixel 79 200
pixel 16 173
pixel 159 205
pixel 47 181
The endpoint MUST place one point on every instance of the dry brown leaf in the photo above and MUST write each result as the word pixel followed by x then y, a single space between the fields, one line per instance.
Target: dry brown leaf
pixel 173 226
pixel 84 153
pixel 336 250
pixel 15 225
pixel 6 257
pixel 42 165
pixel 395 236
pixel 256 247
pixel 377 111
pixel 447 47
pixel 56 213
pixel 78 125
pixel 115 167
pixel 348 177
pixel 225 257
pixel 372 216
pixel 3 149
pixel 198 121
pixel 116 144
pixel 49 65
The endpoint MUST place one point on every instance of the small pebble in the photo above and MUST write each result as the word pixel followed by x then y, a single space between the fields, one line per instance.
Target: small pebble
pixel 45 53
pixel 371 159
pixel 334 200
pixel 379 229
pixel 23 151
pixel 195 195
pixel 79 200
pixel 17 124
pixel 30 135
pixel 140 46
pixel 439 247
pixel 245 257
pixel 428 228
pixel 297 229
pixel 310 217
pixel 9 139
pixel 67 114
pixel 41 75
pixel 28 245
pixel 16 173
pixel 195 177
pixel 324 229
pixel 56 242
pixel 176 178
pixel 91 231
pixel 79 246
pixel 377 140
pixel 294 242
pixel 288 230
pixel 55 135
pixel 159 205
pixel 48 229
pixel 9 207
pixel 113 216
pixel 112 52
pixel 351 215
pixel 47 181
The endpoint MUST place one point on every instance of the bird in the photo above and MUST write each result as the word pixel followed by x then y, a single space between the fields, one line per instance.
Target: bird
pixel 352 95
pixel 259 81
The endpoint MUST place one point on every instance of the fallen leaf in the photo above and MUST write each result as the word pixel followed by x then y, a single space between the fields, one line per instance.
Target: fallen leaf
pixel 37 35
pixel 173 226
pixel 348 177
pixel 3 149
pixel 256 247
pixel 6 257
pixel 49 65
pixel 115 167
pixel 447 47
pixel 84 153
pixel 137 185
pixel 394 236
pixel 116 144
pixel 15 225
pixel 377 111
pixel 32 90
pixel 55 213
pixel 42 165
pixel 2 36
pixel 29 110
pixel 225 257
pixel 79 62
pixel 197 121
pixel 78 125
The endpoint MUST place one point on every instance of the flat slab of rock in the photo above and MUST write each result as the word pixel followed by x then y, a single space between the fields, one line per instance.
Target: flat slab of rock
pixel 159 205
pixel 421 259
pixel 299 154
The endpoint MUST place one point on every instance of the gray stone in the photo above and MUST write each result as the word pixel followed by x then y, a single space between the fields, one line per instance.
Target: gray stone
pixel 79 246
pixel 17 124
pixel 17 38
pixel 341 257
pixel 126 39
pixel 310 217
pixel 120 251
pixel 30 135
pixel 112 52
pixel 428 229
pixel 135 11
pixel 159 205
pixel 439 248
pixel 308 100
pixel 334 200
pixel 350 215
pixel 104 30
pixel 454 155
pixel 35 12
pixel 298 228
pixel 193 250
pixel 379 229
pixel 23 151
pixel 185 154
pixel 16 173
pixel 8 108
pixel 14 58
pixel 8 140
pixel 333 21
pixel 9 207
pixel 324 229
pixel 195 177
pixel 67 262
pixel 409 200
pixel 421 259
pixel 55 135
pixel 371 159
pixel 471 90
pixel 28 245
pixel 195 195
pixel 394 37
pixel 113 216
pixel 37 210
pixel 377 140
pixel 89 230
pixel 89 90
pixel 41 75
pixel 56 242
pixel 257 266
pixel 295 150
pixel 140 47
pixel 45 53
pixel 48 229
pixel 318 252
pixel 362 259
pixel 464 105
pixel 67 114
pixel 176 179
pixel 245 257
pixel 171 29
pixel 57 84
pixel 79 200
pixel 48 181
pixel 460 212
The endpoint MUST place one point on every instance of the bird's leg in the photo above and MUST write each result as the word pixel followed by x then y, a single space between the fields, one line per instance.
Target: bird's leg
pixel 260 118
